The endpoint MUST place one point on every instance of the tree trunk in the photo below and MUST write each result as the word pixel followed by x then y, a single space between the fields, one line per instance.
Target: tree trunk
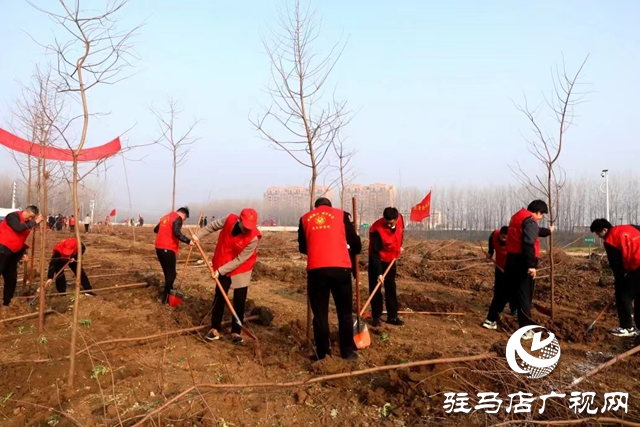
pixel 76 300
pixel 175 173
pixel 551 260
pixel 43 242
pixel 312 193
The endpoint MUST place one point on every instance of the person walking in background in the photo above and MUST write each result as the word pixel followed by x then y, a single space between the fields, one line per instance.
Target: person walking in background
pixel 501 292
pixel 385 245
pixel 204 222
pixel 523 255
pixel 324 235
pixel 622 245
pixel 14 231
pixel 72 223
pixel 87 223
pixel 64 251
pixel 233 261
pixel 169 236
pixel 59 222
pixel 51 221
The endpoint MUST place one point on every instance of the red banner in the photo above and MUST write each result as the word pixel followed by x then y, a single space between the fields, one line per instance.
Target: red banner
pixel 422 210
pixel 113 213
pixel 16 143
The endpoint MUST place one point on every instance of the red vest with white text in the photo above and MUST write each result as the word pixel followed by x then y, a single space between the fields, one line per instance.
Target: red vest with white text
pixel 326 238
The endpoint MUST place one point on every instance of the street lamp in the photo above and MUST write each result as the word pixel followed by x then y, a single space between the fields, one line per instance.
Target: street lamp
pixel 605 175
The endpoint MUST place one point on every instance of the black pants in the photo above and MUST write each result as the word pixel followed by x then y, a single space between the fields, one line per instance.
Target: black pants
pixel 239 300
pixel 72 228
pixel 9 271
pixel 168 263
pixel 86 228
pixel 390 295
pixel 56 264
pixel 501 296
pixel 522 287
pixel 335 281
pixel 626 292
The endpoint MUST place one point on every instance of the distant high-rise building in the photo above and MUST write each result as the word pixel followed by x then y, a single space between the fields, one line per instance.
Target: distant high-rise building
pixel 286 205
pixel 372 199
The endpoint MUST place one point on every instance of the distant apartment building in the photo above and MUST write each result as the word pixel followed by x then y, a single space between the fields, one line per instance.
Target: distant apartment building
pixel 286 205
pixel 371 199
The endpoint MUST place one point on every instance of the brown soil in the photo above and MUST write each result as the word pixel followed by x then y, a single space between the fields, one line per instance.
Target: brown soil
pixel 117 384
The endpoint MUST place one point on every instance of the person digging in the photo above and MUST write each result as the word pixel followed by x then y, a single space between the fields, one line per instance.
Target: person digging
pixel 385 245
pixel 523 257
pixel 65 253
pixel 169 236
pixel 233 261
pixel 501 292
pixel 622 244
pixel 326 235
pixel 14 231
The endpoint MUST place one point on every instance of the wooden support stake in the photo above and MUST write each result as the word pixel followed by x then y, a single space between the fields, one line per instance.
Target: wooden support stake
pixel 25 316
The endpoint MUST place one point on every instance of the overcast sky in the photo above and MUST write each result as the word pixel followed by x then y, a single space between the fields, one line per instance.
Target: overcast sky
pixel 432 81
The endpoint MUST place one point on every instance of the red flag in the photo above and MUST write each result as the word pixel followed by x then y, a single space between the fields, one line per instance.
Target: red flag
pixel 422 210
pixel 113 213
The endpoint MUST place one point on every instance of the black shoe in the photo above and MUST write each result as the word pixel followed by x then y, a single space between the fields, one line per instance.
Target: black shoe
pixel 397 321
pixel 236 339
pixel 164 297
pixel 351 357
pixel 376 322
pixel 212 335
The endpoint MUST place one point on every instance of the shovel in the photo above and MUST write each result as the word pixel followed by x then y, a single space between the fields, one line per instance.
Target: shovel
pixel 48 282
pixel 361 335
pixel 221 289
pixel 590 327
pixel 380 282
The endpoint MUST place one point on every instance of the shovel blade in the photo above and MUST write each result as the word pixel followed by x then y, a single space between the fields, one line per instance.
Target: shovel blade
pixel 249 333
pixel 361 336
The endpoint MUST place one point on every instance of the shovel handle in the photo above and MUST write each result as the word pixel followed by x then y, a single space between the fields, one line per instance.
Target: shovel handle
pixel 492 260
pixel 606 307
pixel 221 289
pixel 380 282
pixel 186 264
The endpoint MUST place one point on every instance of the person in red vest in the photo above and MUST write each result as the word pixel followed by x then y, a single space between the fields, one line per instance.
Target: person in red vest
pixel 64 251
pixel 72 223
pixel 169 236
pixel 326 236
pixel 622 244
pixel 233 261
pixel 385 245
pixel 14 231
pixel 501 294
pixel 523 254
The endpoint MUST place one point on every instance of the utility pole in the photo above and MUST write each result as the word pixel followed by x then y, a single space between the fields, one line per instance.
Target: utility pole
pixel 92 206
pixel 14 195
pixel 605 175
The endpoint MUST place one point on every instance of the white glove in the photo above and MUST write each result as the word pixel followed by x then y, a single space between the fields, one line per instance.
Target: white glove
pixel 401 249
pixel 215 274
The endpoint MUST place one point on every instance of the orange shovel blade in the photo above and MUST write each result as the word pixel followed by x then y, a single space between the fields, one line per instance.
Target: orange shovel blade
pixel 361 336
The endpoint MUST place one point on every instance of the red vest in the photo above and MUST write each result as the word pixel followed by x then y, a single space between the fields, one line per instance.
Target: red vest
pixel 72 221
pixel 626 239
pixel 12 240
pixel 326 238
pixel 500 250
pixel 391 241
pixel 229 247
pixel 67 247
pixel 165 238
pixel 514 237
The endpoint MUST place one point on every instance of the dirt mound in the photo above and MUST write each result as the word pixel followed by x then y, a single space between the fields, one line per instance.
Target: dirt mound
pixel 284 273
pixel 418 302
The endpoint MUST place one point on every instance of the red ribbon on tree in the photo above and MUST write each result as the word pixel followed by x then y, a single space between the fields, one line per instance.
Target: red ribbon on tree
pixel 422 210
